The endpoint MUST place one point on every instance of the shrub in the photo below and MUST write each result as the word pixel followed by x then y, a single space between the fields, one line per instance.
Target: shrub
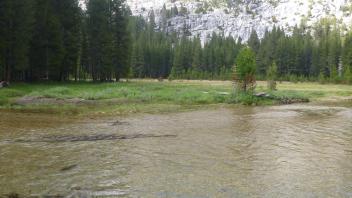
pixel 244 70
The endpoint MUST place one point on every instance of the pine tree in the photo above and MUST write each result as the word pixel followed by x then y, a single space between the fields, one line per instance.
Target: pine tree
pixel 70 17
pixel 152 20
pixel 164 18
pixel 177 66
pixel 271 76
pixel 254 42
pixel 47 44
pixel 100 39
pixel 84 69
pixel 197 54
pixel 137 61
pixel 55 49
pixel 122 39
pixel 174 11
pixel 16 19
pixel 347 50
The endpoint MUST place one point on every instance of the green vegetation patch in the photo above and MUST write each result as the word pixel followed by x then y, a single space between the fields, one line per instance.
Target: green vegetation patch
pixel 269 98
pixel 151 96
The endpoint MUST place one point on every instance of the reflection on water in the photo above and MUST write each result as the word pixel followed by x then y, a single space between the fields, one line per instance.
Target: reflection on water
pixel 285 151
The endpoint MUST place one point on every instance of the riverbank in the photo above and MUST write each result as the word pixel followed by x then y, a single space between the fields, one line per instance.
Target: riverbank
pixel 150 96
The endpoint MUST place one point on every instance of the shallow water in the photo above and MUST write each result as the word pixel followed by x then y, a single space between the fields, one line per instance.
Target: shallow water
pixel 284 151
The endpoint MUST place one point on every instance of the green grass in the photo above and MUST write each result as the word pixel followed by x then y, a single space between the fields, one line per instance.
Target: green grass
pixel 152 96
pixel 134 96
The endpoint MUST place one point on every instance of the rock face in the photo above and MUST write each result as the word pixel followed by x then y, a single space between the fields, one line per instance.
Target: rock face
pixel 238 17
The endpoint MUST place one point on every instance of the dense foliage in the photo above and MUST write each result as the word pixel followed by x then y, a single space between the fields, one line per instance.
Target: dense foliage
pixel 57 40
pixel 322 53
pixel 245 69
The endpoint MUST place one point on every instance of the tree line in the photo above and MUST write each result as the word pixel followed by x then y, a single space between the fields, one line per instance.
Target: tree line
pixel 322 52
pixel 57 40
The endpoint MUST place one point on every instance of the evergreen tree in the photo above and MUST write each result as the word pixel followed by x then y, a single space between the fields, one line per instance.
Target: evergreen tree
pixel 254 42
pixel 47 46
pixel 69 13
pixel 16 17
pixel 152 20
pixel 197 54
pixel 100 39
pixel 271 76
pixel 122 39
pixel 164 18
pixel 347 51
pixel 177 66
pixel 174 11
pixel 137 61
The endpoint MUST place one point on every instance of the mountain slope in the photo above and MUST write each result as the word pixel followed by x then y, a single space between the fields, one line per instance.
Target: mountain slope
pixel 239 17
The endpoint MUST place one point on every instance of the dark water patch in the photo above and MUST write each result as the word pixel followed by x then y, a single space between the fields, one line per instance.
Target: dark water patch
pixel 68 168
pixel 11 195
pixel 74 194
pixel 91 138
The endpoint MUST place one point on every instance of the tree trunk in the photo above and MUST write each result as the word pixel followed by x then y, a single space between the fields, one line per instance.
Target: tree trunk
pixel 117 77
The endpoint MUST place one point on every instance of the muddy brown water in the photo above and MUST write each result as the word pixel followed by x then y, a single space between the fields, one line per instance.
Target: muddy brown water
pixel 284 151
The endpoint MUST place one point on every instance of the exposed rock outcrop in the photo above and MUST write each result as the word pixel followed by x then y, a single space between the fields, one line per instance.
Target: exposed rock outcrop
pixel 239 17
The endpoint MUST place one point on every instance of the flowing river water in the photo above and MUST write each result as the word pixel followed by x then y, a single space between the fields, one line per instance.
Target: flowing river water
pixel 282 151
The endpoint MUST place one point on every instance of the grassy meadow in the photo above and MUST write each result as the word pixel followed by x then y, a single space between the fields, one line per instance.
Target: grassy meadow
pixel 151 96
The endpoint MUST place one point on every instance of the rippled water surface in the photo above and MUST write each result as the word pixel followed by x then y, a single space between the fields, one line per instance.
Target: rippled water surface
pixel 286 151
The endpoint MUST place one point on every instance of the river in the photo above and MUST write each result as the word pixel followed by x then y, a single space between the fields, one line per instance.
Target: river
pixel 280 151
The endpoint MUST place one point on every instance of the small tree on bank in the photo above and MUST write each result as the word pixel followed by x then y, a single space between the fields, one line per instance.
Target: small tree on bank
pixel 271 76
pixel 244 70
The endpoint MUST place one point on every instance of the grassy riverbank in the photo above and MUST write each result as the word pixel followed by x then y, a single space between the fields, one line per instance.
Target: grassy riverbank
pixel 148 96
